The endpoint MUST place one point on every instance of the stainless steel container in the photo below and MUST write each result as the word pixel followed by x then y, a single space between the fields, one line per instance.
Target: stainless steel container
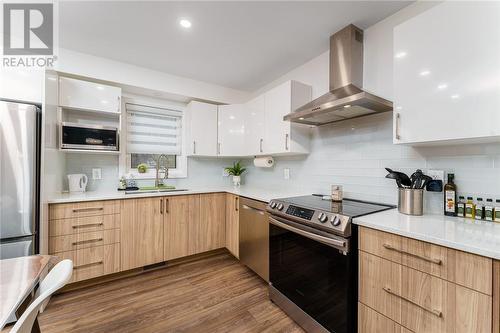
pixel 411 201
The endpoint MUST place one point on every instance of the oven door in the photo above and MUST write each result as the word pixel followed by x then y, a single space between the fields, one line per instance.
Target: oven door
pixel 94 137
pixel 317 274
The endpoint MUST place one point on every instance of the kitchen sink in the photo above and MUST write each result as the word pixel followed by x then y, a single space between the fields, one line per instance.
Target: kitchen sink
pixel 155 190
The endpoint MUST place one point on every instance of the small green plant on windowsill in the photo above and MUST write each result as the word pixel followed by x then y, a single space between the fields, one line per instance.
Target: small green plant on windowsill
pixel 236 171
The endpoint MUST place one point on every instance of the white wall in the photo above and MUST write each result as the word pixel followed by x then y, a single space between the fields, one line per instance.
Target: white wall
pixel 80 64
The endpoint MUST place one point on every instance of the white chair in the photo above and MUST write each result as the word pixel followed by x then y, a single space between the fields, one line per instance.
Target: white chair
pixel 55 279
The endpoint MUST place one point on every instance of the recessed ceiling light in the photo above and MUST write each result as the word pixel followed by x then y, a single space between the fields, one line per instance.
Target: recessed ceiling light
pixel 400 55
pixel 347 106
pixel 442 86
pixel 455 96
pixel 301 118
pixel 424 73
pixel 185 23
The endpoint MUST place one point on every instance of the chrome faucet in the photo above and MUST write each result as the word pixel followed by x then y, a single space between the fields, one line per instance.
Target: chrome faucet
pixel 158 167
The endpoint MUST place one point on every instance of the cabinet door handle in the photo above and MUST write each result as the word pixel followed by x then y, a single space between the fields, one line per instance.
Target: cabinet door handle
pixel 236 208
pixel 287 136
pixel 87 241
pixel 432 260
pixel 90 209
pixel 398 119
pixel 194 147
pixel 218 148
pixel 260 147
pixel 118 109
pixel 87 225
pixel 437 313
pixel 161 206
pixel 167 206
pixel 90 264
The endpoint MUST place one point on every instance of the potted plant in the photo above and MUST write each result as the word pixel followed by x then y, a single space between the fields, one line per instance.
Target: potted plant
pixel 236 171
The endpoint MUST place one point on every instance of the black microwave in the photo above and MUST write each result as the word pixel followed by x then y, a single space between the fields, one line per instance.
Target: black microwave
pixel 88 137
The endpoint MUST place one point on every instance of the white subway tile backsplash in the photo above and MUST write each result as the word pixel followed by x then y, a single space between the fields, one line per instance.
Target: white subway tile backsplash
pixel 354 154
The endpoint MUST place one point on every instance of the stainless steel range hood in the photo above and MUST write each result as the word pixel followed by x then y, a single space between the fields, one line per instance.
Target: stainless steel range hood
pixel 345 100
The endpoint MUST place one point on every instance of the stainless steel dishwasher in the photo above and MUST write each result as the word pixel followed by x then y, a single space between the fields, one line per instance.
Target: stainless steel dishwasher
pixel 254 236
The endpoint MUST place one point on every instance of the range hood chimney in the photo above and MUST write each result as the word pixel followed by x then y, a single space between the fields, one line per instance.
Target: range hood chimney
pixel 346 99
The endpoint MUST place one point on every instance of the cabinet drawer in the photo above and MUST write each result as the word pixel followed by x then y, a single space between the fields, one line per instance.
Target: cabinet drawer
pixel 79 209
pixel 93 261
pixel 431 304
pixel 380 243
pixel 83 224
pixel 463 268
pixel 370 321
pixel 83 240
pixel 375 274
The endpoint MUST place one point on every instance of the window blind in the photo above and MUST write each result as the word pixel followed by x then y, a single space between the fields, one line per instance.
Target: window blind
pixel 152 130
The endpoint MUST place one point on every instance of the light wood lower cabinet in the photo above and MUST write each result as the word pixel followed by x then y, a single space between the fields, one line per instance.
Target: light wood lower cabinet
pixel 233 224
pixel 208 233
pixel 180 213
pixel 141 232
pixel 193 224
pixel 370 321
pixel 93 261
pixel 422 287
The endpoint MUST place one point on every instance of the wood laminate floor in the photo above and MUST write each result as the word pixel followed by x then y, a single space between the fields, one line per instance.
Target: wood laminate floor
pixel 214 294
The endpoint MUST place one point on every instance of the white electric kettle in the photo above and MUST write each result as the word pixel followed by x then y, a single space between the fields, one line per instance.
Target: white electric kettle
pixel 77 182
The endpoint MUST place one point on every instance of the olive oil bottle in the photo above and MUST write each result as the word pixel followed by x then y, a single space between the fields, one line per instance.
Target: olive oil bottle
pixel 461 206
pixel 469 208
pixel 450 196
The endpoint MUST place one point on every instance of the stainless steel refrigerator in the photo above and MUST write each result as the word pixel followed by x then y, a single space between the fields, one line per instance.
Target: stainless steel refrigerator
pixel 19 179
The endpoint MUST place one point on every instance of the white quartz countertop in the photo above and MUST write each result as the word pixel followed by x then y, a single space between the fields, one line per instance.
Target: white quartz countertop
pixel 250 192
pixel 478 237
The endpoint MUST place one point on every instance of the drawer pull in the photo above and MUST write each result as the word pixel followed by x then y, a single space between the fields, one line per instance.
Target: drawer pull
pixel 87 225
pixel 87 241
pixel 437 313
pixel 90 209
pixel 432 260
pixel 91 264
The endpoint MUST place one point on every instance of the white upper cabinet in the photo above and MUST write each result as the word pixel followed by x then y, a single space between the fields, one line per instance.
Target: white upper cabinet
pixel 231 130
pixel 284 137
pixel 447 74
pixel 78 94
pixel 255 125
pixel 201 122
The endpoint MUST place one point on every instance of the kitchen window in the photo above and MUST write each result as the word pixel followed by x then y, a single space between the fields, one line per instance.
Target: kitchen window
pixel 152 131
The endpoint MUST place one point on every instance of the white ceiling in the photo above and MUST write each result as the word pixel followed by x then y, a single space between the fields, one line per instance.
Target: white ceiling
pixel 241 45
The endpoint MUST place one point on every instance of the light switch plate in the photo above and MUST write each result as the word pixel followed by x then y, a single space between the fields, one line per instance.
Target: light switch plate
pixel 96 173
pixel 436 174
pixel 286 173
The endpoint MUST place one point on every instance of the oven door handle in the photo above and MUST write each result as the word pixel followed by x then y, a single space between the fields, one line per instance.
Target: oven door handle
pixel 336 243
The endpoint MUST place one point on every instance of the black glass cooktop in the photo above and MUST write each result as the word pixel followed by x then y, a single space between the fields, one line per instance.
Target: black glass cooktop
pixel 348 207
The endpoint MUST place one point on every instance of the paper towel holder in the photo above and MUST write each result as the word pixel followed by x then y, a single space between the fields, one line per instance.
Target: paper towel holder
pixel 263 162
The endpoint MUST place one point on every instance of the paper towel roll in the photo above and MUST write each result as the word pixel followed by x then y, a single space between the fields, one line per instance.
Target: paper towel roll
pixel 263 162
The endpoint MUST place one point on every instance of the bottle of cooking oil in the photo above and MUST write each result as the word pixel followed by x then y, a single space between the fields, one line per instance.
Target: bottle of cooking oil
pixel 469 208
pixel 450 196
pixel 489 210
pixel 496 211
pixel 479 209
pixel 461 206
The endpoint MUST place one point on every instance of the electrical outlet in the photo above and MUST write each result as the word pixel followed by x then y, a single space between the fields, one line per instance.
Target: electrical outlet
pixel 225 173
pixel 286 173
pixel 96 173
pixel 436 174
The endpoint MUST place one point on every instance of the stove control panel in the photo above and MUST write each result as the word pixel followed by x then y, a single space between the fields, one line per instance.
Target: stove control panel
pixel 328 221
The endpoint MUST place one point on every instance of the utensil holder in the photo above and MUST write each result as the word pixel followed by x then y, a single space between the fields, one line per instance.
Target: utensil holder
pixel 411 201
